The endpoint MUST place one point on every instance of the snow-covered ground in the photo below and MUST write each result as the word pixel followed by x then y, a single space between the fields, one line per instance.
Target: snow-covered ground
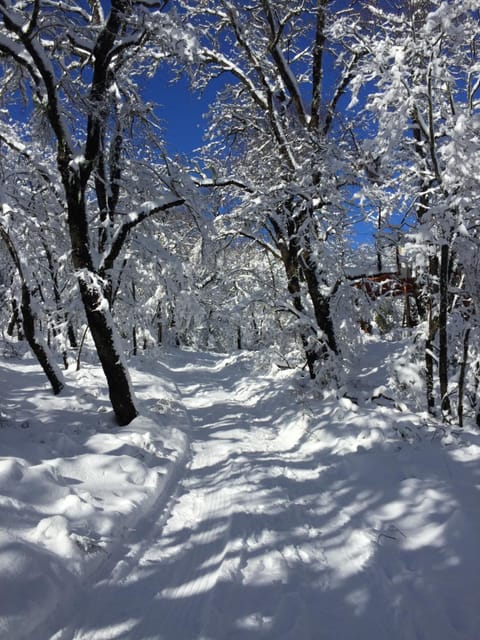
pixel 237 507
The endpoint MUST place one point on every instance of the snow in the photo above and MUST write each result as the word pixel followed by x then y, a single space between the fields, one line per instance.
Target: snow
pixel 71 486
pixel 238 505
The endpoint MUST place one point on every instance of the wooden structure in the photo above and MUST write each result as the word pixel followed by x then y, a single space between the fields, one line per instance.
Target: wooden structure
pixel 394 284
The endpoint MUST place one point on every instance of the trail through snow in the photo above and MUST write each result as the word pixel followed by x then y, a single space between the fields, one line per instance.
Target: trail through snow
pixel 295 520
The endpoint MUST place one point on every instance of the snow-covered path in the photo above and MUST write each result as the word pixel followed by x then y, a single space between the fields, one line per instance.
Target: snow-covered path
pixel 293 523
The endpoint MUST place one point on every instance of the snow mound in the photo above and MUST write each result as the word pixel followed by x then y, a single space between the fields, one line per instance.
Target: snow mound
pixel 72 485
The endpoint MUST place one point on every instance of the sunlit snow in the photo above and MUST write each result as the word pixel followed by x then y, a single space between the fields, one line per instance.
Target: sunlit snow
pixel 238 506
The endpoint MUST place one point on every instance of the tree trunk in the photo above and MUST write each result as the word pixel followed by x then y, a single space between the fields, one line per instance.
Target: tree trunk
pixel 308 265
pixel 76 170
pixel 462 375
pixel 56 295
pixel 429 347
pixel 28 318
pixel 72 338
pixel 41 352
pixel 477 400
pixel 15 321
pixel 321 307
pixel 134 328
pixel 442 329
pixel 99 318
pixel 134 340
pixel 100 323
pixel 432 328
pixel 80 347
pixel 290 261
pixel 430 361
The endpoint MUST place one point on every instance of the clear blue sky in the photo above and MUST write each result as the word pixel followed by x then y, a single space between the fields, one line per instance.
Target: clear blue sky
pixel 180 112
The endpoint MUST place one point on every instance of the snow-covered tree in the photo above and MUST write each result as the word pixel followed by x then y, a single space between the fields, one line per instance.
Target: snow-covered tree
pixel 30 210
pixel 423 76
pixel 78 69
pixel 278 146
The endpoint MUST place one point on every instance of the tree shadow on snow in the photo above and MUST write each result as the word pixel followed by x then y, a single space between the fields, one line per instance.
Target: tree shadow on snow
pixel 307 542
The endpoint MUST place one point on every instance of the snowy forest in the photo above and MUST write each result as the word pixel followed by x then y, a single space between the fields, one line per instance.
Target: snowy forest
pixel 315 261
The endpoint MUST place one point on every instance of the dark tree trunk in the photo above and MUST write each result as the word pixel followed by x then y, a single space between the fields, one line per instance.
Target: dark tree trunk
pixel 11 325
pixel 442 331
pixel 462 375
pixel 306 265
pixel 134 328
pixel 99 318
pixel 289 257
pixel 57 297
pixel 80 347
pixel 41 352
pixel 432 328
pixel 72 338
pixel 134 340
pixel 101 326
pixel 321 308
pixel 28 320
pixel 429 376
pixel 15 321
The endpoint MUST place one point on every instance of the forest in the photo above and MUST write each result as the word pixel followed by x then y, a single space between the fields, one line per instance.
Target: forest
pixel 333 203
pixel 343 143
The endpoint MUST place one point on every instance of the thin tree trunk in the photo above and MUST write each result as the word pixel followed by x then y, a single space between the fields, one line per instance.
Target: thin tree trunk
pixel 15 321
pixel 430 362
pixel 432 328
pixel 134 328
pixel 72 338
pixel 80 347
pixel 56 295
pixel 41 352
pixel 476 398
pixel 134 340
pixel 442 329
pixel 462 375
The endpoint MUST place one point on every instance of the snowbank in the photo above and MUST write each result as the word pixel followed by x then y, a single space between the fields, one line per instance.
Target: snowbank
pixel 72 485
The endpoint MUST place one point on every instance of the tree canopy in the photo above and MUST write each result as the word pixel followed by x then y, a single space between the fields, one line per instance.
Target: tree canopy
pixel 328 116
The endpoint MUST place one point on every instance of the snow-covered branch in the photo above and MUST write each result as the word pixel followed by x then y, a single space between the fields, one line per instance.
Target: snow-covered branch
pixel 148 210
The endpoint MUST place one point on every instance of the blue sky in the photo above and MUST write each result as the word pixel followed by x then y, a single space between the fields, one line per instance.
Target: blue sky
pixel 180 111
